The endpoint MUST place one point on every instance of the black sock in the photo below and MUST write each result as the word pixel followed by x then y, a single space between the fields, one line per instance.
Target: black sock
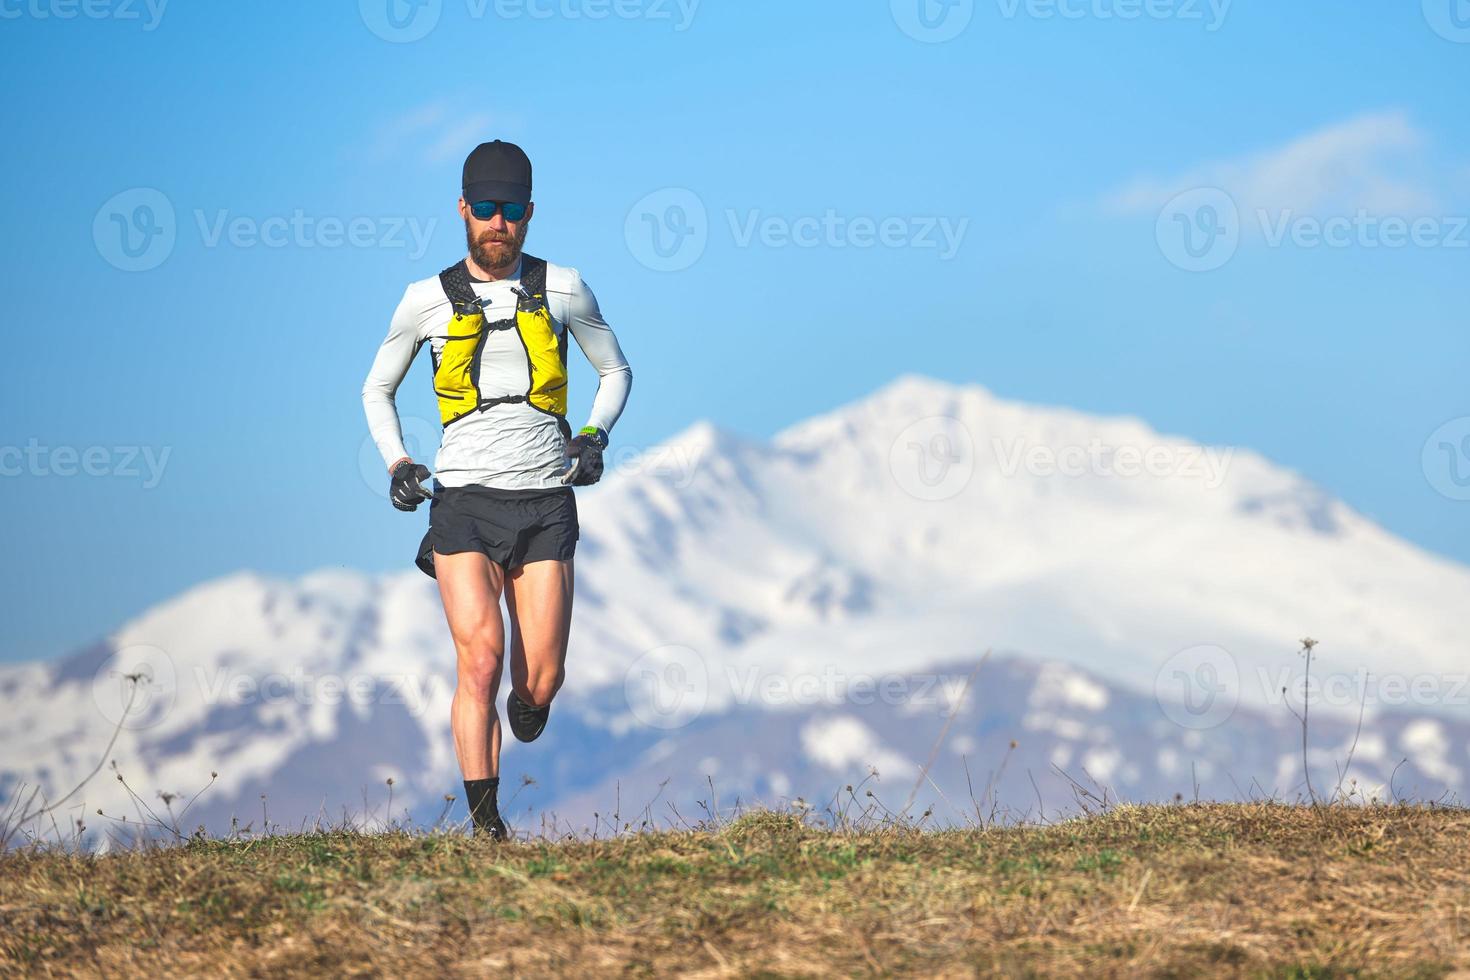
pixel 479 795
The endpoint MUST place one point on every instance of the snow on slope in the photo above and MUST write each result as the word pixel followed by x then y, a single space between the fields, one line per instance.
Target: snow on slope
pixel 737 588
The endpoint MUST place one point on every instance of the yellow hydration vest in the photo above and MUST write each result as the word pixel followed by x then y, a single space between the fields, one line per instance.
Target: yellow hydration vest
pixel 457 363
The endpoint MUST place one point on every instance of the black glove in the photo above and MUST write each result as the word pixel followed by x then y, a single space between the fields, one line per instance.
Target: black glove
pixel 407 490
pixel 584 452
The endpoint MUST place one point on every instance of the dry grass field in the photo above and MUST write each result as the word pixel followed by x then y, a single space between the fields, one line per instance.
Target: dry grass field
pixel 1184 890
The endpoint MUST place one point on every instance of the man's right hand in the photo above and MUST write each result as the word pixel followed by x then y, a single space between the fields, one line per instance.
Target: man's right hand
pixel 407 490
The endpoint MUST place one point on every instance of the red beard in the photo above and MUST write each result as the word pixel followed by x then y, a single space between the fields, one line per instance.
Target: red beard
pixel 495 251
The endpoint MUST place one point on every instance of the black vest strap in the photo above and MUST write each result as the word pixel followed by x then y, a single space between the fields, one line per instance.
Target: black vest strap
pixel 533 275
pixel 456 283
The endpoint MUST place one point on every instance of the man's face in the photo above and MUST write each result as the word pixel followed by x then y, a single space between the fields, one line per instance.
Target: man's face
pixel 495 244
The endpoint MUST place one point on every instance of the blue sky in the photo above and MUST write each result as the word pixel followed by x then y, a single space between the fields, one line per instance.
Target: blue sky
pixel 302 164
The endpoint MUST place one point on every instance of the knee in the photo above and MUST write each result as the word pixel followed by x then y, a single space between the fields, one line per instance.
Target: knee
pixel 479 658
pixel 542 685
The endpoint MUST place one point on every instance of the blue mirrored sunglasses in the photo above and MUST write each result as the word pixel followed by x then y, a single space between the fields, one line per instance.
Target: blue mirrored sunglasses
pixel 485 210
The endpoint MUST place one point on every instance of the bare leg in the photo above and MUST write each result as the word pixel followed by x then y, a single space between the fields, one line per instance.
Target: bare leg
pixel 470 585
pixel 539 597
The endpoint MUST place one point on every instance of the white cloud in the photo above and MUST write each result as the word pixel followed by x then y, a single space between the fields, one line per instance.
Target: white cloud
pixel 456 140
pixel 432 133
pixel 1374 162
pixel 406 128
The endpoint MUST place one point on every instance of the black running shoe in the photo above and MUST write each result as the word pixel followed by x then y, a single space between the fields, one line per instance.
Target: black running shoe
pixel 526 722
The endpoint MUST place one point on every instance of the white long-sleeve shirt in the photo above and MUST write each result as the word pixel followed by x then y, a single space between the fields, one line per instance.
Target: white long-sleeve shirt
pixel 512 446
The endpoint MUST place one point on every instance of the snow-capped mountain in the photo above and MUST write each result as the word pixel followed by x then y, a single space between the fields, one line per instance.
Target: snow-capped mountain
pixel 768 620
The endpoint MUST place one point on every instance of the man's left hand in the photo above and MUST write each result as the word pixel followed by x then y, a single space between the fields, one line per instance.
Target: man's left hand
pixel 584 453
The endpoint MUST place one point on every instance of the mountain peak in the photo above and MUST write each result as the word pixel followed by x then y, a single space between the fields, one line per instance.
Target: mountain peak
pixel 906 399
pixel 701 436
pixel 912 385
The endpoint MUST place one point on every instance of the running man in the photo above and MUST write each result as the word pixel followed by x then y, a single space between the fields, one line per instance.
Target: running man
pixel 503 518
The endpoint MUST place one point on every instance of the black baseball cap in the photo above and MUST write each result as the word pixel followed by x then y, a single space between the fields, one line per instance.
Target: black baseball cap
pixel 497 171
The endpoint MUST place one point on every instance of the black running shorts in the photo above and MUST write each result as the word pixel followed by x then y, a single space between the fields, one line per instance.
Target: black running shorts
pixel 511 527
